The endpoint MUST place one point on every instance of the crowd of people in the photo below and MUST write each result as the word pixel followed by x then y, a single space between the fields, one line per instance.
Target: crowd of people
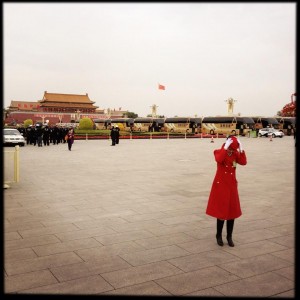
pixel 44 135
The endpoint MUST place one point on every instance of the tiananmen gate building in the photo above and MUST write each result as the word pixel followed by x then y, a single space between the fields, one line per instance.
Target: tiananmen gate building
pixel 58 108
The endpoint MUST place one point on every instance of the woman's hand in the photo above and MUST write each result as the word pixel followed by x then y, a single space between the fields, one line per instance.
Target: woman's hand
pixel 241 147
pixel 228 143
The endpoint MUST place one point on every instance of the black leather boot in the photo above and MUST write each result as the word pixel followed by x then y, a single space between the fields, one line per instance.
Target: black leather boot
pixel 220 224
pixel 229 224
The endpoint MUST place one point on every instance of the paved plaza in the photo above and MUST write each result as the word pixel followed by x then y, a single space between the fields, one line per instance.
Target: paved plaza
pixel 130 220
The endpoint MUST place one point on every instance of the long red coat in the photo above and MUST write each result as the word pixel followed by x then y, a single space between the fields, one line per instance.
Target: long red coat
pixel 223 202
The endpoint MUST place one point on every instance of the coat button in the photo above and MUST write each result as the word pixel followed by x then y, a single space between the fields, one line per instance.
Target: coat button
pixel 231 173
pixel 225 172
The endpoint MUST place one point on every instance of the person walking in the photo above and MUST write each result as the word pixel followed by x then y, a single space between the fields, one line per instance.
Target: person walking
pixel 70 138
pixel 223 203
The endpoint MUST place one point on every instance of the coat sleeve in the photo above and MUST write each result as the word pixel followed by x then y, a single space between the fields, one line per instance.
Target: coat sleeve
pixel 241 158
pixel 220 155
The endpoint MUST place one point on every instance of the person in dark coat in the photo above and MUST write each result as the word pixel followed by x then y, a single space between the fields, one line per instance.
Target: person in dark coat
pixel 113 135
pixel 22 130
pixel 46 136
pixel 29 134
pixel 39 135
pixel 117 134
pixel 55 135
pixel 64 133
pixel 223 202
pixel 70 138
pixel 35 135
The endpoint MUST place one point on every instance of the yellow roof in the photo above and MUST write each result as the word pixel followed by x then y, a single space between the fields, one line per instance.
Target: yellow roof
pixel 71 98
pixel 23 105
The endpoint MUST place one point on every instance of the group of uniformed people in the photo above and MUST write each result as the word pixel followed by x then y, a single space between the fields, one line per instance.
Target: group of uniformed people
pixel 52 134
pixel 44 134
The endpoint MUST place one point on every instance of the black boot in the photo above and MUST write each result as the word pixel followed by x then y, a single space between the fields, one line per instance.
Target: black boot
pixel 229 224
pixel 220 224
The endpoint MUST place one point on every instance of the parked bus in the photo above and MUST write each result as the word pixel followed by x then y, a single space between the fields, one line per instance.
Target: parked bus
pixel 158 124
pixel 195 125
pixel 227 125
pixel 177 124
pixel 143 124
pixel 101 123
pixel 263 122
pixel 125 124
pixel 245 125
pixel 148 124
pixel 286 124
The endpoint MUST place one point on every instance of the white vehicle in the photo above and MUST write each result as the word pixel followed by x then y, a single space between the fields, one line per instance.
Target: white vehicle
pixel 270 131
pixel 12 136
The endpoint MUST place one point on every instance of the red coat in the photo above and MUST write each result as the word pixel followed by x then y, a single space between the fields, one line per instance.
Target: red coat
pixel 223 202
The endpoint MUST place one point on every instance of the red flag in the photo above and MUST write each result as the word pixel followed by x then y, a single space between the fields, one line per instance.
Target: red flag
pixel 161 87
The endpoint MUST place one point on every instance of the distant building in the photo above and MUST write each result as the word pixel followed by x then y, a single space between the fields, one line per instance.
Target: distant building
pixel 57 108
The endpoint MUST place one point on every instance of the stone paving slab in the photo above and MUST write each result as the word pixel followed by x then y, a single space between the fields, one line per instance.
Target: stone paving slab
pixel 130 220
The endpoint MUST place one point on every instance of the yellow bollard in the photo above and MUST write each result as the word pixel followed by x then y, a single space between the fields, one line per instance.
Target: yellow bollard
pixel 17 164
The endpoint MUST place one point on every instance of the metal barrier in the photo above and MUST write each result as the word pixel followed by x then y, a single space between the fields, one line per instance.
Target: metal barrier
pixel 11 166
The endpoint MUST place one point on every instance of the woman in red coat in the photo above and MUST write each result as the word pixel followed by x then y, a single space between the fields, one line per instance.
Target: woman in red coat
pixel 223 202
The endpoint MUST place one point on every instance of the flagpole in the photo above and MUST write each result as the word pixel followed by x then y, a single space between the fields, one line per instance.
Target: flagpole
pixel 160 87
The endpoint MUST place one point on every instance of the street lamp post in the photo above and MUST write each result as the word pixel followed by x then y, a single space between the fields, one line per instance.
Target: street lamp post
pixel 295 94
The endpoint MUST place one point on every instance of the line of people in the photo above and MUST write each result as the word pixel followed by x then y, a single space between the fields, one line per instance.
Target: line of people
pixel 44 135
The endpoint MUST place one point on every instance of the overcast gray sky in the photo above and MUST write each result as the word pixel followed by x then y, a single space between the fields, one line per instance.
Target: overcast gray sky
pixel 203 53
